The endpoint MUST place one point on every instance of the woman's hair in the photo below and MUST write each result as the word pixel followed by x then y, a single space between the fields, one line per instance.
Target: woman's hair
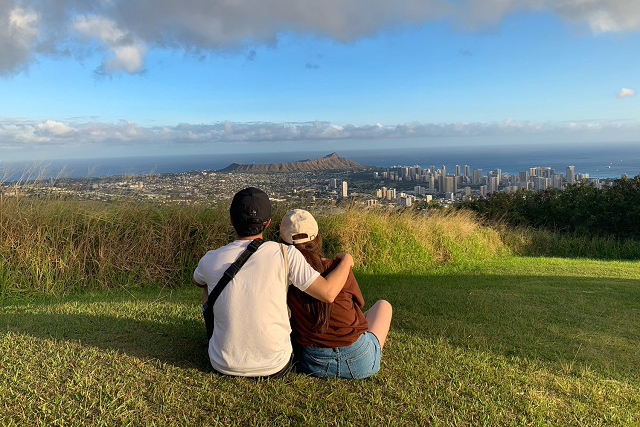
pixel 321 311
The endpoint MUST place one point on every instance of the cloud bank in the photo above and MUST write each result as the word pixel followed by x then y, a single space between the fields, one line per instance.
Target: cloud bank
pixel 124 30
pixel 30 134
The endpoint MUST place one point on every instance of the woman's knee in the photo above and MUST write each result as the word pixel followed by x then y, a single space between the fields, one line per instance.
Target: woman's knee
pixel 384 305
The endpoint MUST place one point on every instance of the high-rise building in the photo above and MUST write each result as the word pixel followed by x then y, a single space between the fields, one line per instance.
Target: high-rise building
pixel 391 194
pixel 546 172
pixel 344 192
pixel 524 176
pixel 477 176
pixel 457 170
pixel 466 171
pixel 417 190
pixel 443 174
pixel 432 183
pixel 483 190
pixel 492 184
pixel 571 175
pixel 333 183
pixel 449 184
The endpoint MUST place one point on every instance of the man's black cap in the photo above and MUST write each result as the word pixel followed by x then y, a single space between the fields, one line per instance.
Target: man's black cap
pixel 250 210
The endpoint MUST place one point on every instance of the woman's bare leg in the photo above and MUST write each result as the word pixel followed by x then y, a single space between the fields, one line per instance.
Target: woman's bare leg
pixel 379 319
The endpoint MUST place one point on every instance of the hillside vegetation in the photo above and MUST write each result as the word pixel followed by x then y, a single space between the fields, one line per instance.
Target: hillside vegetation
pixel 56 246
pixel 62 246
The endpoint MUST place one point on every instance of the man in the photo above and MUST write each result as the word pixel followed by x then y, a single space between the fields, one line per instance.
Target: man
pixel 251 329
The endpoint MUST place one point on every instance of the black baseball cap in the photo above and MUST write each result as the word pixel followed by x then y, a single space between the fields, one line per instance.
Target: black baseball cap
pixel 250 211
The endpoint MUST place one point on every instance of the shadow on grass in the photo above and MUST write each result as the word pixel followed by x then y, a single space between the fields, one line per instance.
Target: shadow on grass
pixel 541 243
pixel 182 344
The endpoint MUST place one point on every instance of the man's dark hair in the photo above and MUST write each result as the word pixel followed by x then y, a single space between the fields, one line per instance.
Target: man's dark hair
pixel 250 211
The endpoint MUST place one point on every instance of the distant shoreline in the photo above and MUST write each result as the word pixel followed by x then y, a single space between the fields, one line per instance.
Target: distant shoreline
pixel 606 161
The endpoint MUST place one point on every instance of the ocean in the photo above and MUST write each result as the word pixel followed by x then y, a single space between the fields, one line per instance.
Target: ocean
pixel 599 161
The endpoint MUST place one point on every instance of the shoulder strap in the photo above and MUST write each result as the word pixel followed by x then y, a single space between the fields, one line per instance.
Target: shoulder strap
pixel 233 269
pixel 285 255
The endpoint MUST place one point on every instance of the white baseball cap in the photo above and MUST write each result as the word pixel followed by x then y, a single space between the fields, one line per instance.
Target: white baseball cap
pixel 299 223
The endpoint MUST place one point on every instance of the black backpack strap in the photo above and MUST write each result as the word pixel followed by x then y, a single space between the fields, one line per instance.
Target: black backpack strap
pixel 233 269
pixel 229 274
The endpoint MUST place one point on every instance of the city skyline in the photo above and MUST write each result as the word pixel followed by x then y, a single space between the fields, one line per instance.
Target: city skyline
pixel 117 78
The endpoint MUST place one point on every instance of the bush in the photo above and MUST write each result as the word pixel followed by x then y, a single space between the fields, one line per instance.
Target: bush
pixel 581 208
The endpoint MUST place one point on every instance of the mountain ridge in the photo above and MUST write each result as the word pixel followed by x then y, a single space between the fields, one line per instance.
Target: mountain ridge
pixel 331 161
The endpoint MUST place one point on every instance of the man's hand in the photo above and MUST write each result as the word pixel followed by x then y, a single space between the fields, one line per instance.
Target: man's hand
pixel 327 289
pixel 345 257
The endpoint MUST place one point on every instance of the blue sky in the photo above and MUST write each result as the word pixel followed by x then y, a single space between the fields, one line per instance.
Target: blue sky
pixel 139 77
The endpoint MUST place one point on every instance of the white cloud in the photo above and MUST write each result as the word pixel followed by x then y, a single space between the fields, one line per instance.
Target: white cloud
pixel 27 133
pixel 127 29
pixel 54 128
pixel 625 92
pixel 128 51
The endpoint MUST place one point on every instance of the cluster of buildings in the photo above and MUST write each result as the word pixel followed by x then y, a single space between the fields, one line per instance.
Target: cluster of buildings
pixel 459 183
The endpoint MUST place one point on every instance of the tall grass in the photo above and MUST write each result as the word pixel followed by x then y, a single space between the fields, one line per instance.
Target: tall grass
pixel 61 246
pixel 383 241
pixel 57 246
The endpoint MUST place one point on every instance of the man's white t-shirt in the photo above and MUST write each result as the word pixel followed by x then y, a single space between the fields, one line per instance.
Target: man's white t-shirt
pixel 251 322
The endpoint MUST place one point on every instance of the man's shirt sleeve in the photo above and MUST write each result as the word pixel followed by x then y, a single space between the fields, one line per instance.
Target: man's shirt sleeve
pixel 301 274
pixel 198 276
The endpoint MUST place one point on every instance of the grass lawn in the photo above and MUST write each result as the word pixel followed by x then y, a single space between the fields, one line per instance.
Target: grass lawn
pixel 510 341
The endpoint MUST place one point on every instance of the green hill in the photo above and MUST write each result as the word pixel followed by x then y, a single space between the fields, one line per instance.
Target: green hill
pixel 98 323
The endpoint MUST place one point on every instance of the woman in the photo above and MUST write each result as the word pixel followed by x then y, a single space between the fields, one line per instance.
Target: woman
pixel 337 339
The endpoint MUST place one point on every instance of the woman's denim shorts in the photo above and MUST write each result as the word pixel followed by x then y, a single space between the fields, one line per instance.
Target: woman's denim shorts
pixel 358 360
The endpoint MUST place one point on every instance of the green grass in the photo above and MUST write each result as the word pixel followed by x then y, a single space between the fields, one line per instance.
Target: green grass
pixel 506 341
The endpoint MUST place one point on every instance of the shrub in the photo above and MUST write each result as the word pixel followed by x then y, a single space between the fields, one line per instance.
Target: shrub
pixel 582 208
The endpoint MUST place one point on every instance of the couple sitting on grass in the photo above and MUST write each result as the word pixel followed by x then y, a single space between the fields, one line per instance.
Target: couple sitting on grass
pixel 249 324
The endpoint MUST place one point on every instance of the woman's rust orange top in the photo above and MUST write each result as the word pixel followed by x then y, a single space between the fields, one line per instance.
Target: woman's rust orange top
pixel 346 323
